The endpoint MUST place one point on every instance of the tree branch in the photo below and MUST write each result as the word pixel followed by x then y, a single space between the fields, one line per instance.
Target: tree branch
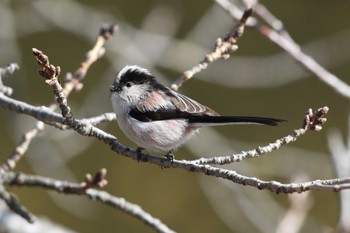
pixel 286 43
pixel 73 82
pixel 15 179
pixel 10 69
pixel 15 206
pixel 312 121
pixel 223 48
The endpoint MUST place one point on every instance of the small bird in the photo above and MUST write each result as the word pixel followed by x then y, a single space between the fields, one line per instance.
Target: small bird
pixel 159 119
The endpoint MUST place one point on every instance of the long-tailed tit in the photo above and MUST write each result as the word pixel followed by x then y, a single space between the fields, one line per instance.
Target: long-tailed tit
pixel 159 119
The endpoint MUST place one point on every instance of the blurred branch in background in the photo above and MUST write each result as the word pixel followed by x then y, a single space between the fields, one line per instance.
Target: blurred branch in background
pixel 296 215
pixel 85 189
pixel 280 36
pixel 175 54
pixel 72 82
pixel 10 69
pixel 223 48
pixel 11 222
pixel 340 152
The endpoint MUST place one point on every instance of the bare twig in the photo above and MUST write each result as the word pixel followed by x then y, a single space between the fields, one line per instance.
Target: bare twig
pixel 14 179
pixel 46 115
pixel 10 69
pixel 21 147
pixel 340 153
pixel 15 206
pixel 72 83
pixel 269 18
pixel 305 60
pixel 312 121
pixel 105 117
pixel 273 186
pixel 223 48
pixel 51 73
pixel 294 50
pixel 40 113
pixel 236 12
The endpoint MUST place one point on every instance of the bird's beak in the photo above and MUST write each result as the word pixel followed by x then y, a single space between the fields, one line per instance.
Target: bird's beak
pixel 115 88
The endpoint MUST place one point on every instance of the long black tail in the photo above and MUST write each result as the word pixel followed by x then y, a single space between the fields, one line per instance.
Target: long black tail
pixel 223 120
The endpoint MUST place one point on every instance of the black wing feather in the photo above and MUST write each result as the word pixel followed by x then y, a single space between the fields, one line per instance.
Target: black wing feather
pixel 194 112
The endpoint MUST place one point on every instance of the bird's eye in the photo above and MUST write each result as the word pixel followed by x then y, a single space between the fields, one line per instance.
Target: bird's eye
pixel 128 84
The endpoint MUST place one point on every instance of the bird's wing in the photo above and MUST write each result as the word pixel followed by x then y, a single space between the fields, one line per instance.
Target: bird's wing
pixel 187 105
pixel 177 107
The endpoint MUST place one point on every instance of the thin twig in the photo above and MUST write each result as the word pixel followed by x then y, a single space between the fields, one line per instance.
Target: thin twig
pixel 72 83
pixel 51 73
pixel 15 206
pixel 105 117
pixel 305 60
pixel 10 69
pixel 46 115
pixel 223 48
pixel 294 50
pixel 40 113
pixel 236 12
pixel 274 22
pixel 340 153
pixel 312 121
pixel 21 147
pixel 102 118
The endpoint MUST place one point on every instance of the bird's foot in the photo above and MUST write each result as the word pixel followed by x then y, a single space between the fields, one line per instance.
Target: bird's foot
pixel 170 155
pixel 138 151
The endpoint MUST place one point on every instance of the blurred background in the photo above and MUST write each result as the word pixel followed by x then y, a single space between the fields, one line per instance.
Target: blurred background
pixel 169 37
